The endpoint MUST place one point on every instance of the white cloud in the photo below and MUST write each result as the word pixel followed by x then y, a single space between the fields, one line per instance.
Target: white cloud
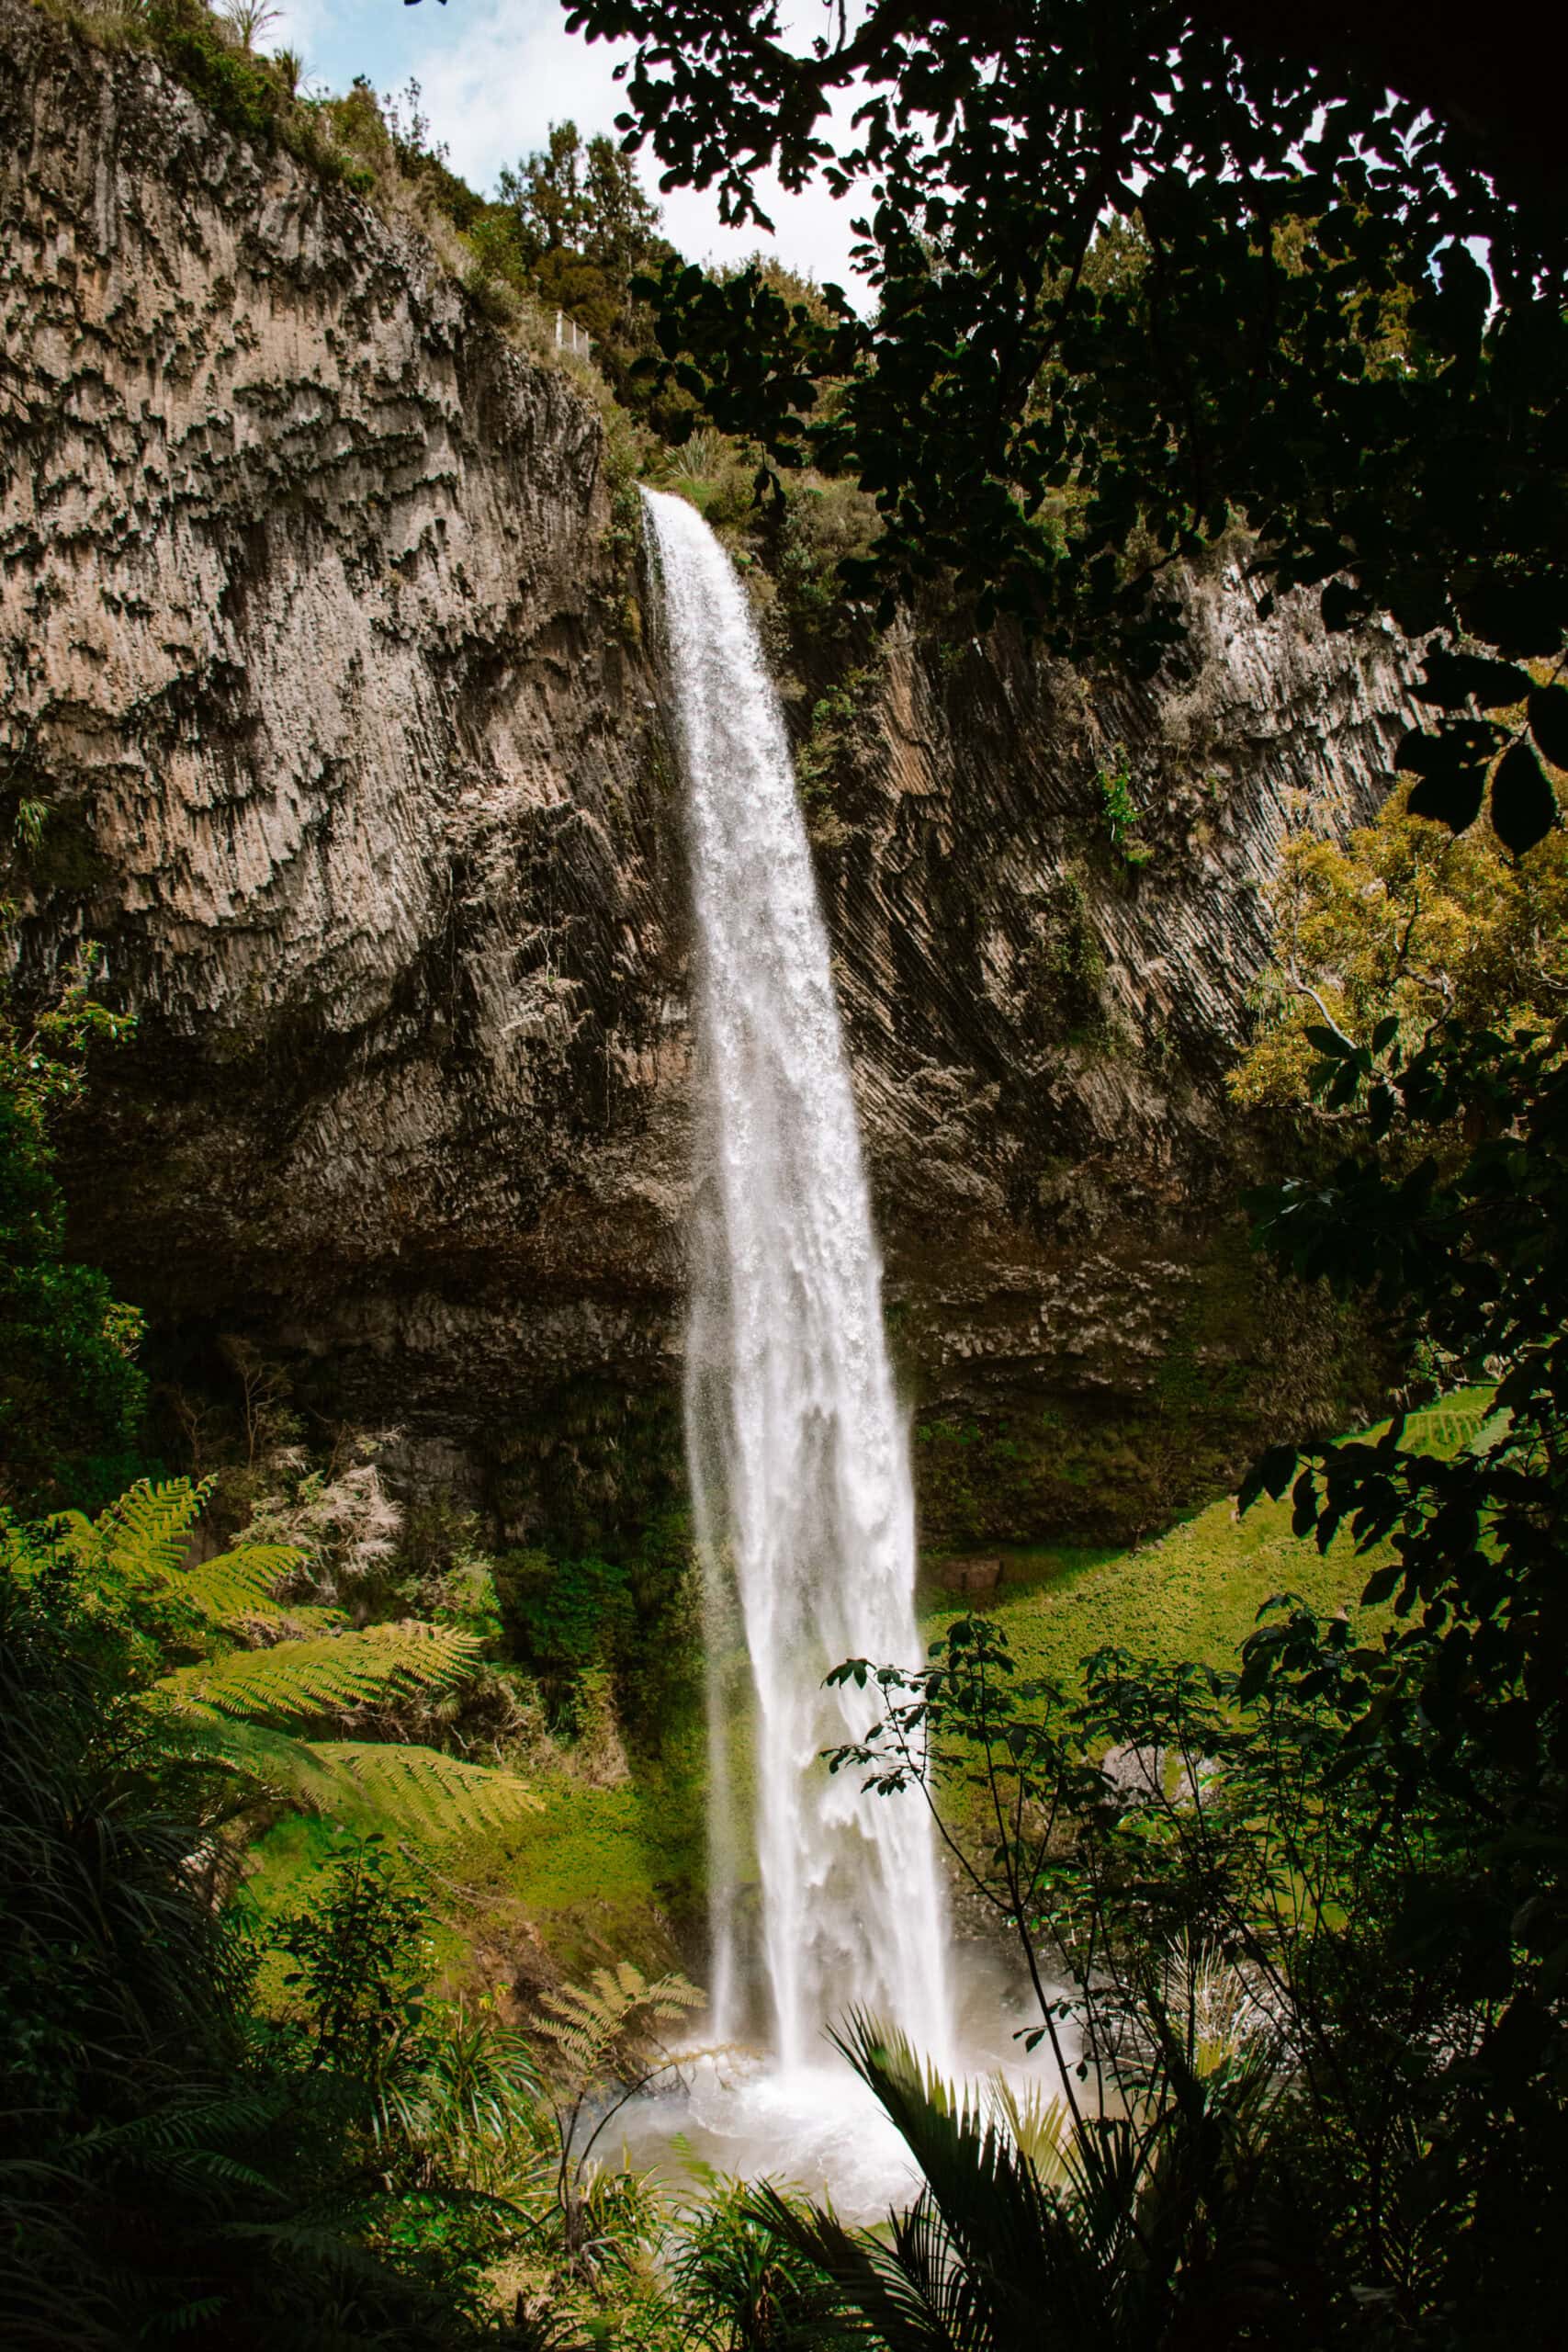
pixel 496 75
pixel 495 78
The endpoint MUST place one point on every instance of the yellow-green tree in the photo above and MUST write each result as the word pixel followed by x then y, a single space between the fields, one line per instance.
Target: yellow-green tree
pixel 1406 919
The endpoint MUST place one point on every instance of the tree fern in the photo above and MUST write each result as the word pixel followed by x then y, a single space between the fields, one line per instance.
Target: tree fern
pixel 606 2032
pixel 297 1681
pixel 139 1546
pixel 389 1784
pixel 143 1536
pixel 418 1789
pixel 239 1706
pixel 235 1590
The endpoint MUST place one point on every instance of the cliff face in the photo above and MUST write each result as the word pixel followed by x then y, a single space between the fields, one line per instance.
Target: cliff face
pixel 319 626
pixel 313 631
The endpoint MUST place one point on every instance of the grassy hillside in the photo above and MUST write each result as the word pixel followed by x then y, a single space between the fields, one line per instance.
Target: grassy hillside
pixel 1195 1593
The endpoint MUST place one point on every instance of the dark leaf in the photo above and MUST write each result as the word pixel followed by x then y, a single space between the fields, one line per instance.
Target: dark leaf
pixel 1523 616
pixel 1435 751
pixel 1549 722
pixel 1452 678
pixel 1453 312
pixel 1381 1105
pixel 1452 778
pixel 1524 808
pixel 1344 604
pixel 1270 1474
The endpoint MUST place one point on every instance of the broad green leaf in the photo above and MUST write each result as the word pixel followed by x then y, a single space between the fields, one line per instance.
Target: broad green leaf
pixel 1524 808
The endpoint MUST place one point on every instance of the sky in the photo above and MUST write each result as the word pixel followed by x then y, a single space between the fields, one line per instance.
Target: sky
pixel 495 73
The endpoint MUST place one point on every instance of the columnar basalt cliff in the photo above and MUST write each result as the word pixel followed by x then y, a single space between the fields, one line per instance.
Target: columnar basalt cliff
pixel 320 627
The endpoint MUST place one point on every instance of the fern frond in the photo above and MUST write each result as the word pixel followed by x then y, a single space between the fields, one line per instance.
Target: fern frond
pixel 375 1783
pixel 236 1589
pixel 286 1621
pixel 420 1790
pixel 299 1680
pixel 204 2119
pixel 145 1533
pixel 271 1762
pixel 611 2022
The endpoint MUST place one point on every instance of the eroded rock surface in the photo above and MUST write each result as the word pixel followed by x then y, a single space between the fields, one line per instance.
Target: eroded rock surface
pixel 321 643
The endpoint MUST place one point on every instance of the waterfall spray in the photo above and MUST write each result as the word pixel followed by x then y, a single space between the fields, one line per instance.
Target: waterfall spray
pixel 797 1452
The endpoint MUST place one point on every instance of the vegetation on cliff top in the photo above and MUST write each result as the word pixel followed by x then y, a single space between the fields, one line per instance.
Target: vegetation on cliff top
pixel 1300 337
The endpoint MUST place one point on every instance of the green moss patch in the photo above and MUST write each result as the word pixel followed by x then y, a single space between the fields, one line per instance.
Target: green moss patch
pixel 1246 1360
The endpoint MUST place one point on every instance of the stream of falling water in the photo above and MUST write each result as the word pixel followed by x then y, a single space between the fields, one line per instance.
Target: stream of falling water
pixel 796 1448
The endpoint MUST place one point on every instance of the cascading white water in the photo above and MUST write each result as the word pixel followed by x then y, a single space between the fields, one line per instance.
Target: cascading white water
pixel 797 1450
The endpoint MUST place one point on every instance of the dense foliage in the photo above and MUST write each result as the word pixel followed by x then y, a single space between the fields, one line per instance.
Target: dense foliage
pixel 169 2161
pixel 1464 1694
pixel 1363 1821
pixel 70 1393
pixel 1109 2232
pixel 1237 1955
pixel 235 1674
pixel 246 2129
pixel 1138 278
pixel 1404 920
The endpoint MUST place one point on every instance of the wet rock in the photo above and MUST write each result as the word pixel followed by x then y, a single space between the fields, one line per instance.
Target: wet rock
pixel 970 1575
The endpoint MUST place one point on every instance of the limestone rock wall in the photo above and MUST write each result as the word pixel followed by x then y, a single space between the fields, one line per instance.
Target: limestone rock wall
pixel 321 643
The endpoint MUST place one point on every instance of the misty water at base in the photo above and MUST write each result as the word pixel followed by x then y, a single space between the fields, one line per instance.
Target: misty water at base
pixel 816 2126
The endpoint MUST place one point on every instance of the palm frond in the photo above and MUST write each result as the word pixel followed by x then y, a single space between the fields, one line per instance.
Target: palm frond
pixel 1022 2245
pixel 1040 2127
pixel 1206 2016
pixel 891 2300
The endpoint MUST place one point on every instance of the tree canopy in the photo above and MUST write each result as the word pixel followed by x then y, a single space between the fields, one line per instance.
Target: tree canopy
pixel 1343 327
pixel 582 226
pixel 1404 919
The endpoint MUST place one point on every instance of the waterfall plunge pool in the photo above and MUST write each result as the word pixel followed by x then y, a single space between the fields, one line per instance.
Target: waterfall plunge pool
pixel 816 2127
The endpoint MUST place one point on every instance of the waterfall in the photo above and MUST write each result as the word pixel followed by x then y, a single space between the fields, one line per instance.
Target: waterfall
pixel 797 1452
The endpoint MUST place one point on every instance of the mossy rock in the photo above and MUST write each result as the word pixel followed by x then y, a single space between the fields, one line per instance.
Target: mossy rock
pixel 1249 1358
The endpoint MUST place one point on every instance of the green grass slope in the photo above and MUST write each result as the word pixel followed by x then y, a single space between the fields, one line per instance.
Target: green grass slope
pixel 1196 1593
